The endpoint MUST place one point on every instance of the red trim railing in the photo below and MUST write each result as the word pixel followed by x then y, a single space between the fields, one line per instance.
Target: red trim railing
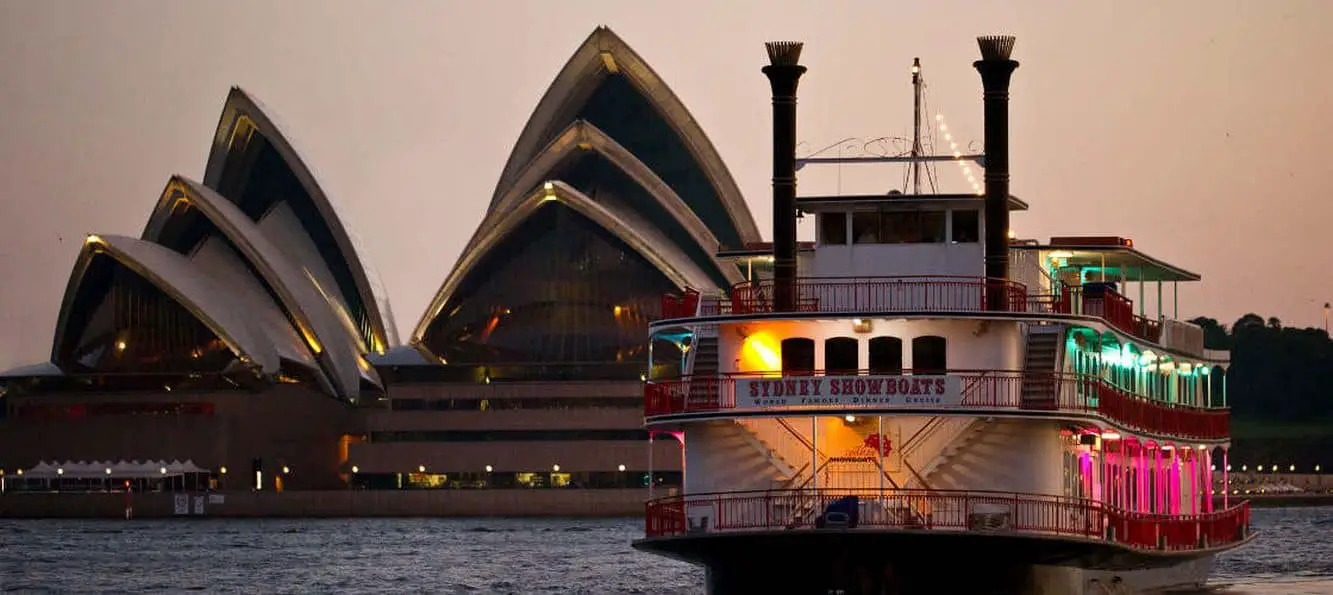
pixel 981 389
pixel 917 294
pixel 860 294
pixel 1107 304
pixel 943 510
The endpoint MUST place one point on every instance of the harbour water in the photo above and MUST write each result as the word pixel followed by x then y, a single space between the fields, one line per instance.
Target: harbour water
pixel 473 556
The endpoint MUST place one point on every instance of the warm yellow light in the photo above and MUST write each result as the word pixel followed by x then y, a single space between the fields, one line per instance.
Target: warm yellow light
pixel 622 467
pixel 421 468
pixel 548 186
pixel 1109 435
pixel 555 467
pixel 617 310
pixel 223 470
pixel 489 468
pixel 850 419
pixel 120 345
pixel 760 353
pixel 286 470
pixel 108 471
pixel 1012 235
pixel 92 239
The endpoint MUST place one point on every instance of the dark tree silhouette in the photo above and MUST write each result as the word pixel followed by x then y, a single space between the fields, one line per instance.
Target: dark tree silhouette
pixel 1280 379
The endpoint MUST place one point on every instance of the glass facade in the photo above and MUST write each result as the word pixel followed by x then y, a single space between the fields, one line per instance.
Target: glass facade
pixel 622 112
pixel 558 288
pixel 120 322
pixel 599 179
pixel 256 178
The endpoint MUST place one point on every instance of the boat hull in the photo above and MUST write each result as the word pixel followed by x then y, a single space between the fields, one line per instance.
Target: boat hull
pixel 862 562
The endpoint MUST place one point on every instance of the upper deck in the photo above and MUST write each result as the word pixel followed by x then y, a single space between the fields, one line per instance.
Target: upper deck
pixel 922 256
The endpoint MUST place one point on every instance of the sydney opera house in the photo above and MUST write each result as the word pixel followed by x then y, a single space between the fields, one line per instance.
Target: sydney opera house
pixel 243 329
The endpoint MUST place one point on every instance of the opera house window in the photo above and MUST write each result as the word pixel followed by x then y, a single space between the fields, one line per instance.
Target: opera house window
pixel 557 288
pixel 121 322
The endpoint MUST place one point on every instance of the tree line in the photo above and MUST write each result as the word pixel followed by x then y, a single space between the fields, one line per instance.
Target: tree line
pixel 1280 389
pixel 1277 373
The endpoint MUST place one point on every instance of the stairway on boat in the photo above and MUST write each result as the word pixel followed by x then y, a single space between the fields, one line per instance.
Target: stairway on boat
pixel 704 386
pixel 1041 364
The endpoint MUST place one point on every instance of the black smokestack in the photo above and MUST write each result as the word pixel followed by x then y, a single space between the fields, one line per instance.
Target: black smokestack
pixel 784 73
pixel 995 68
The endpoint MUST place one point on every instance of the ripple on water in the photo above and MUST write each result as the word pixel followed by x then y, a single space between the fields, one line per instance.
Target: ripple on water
pixel 472 556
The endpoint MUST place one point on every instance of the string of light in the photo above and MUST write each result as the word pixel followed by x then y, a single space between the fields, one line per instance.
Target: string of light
pixel 957 154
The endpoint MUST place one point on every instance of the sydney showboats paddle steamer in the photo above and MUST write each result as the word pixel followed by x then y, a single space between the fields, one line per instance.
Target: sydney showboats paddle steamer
pixel 918 402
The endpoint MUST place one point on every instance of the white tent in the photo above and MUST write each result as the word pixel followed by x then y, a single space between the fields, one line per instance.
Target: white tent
pixel 119 470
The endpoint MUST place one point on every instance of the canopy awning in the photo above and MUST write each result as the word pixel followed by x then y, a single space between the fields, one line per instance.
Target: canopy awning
pixel 109 470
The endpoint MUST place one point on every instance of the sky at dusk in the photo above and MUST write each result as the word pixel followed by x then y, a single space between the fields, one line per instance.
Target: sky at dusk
pixel 1194 127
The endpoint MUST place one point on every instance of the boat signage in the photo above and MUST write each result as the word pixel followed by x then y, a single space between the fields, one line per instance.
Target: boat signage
pixel 862 391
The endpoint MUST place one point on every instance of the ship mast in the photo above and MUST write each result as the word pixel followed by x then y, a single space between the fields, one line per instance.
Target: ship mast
pixel 916 126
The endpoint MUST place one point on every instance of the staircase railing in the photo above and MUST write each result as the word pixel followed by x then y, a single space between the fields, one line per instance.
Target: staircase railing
pixel 956 427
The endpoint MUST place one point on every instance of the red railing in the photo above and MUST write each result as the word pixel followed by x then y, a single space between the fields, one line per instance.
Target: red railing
pixel 1107 304
pixel 917 294
pixel 941 510
pixel 981 389
pixel 1180 532
pixel 861 294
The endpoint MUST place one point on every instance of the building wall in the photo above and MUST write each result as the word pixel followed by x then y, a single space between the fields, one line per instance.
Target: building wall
pixel 341 503
pixel 282 425
pixel 556 407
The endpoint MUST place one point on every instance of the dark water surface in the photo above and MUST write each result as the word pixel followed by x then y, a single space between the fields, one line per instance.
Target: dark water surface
pixel 1292 556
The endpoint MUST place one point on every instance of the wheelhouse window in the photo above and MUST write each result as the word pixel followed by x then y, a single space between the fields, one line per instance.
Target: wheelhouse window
pixel 886 356
pixel 965 227
pixel 798 355
pixel 833 228
pixel 865 228
pixel 912 227
pixel 928 355
pixel 841 357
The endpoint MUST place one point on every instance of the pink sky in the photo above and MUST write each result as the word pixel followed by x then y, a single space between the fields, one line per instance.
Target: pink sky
pixel 1193 127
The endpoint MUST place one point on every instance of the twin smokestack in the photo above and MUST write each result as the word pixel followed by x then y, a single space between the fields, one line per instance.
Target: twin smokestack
pixel 784 74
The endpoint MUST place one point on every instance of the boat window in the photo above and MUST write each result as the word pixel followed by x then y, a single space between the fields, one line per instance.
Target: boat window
pixel 966 226
pixel 928 355
pixel 886 356
pixel 912 227
pixel 865 228
pixel 841 356
pixel 798 355
pixel 833 228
